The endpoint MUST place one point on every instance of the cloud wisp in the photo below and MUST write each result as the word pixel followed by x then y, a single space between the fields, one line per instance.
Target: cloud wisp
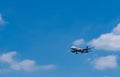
pixel 26 65
pixel 78 42
pixel 105 62
pixel 2 22
pixel 106 76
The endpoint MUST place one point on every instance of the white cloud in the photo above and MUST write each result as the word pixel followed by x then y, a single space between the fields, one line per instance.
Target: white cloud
pixel 109 41
pixel 105 62
pixel 24 65
pixel 78 42
pixel 2 22
pixel 8 57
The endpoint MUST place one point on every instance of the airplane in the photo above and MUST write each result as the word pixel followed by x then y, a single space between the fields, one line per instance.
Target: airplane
pixel 75 49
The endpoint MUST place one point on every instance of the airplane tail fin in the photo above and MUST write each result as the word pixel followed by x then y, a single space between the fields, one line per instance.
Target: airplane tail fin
pixel 86 46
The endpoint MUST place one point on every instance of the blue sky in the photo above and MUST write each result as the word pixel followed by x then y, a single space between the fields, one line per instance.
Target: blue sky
pixel 36 36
